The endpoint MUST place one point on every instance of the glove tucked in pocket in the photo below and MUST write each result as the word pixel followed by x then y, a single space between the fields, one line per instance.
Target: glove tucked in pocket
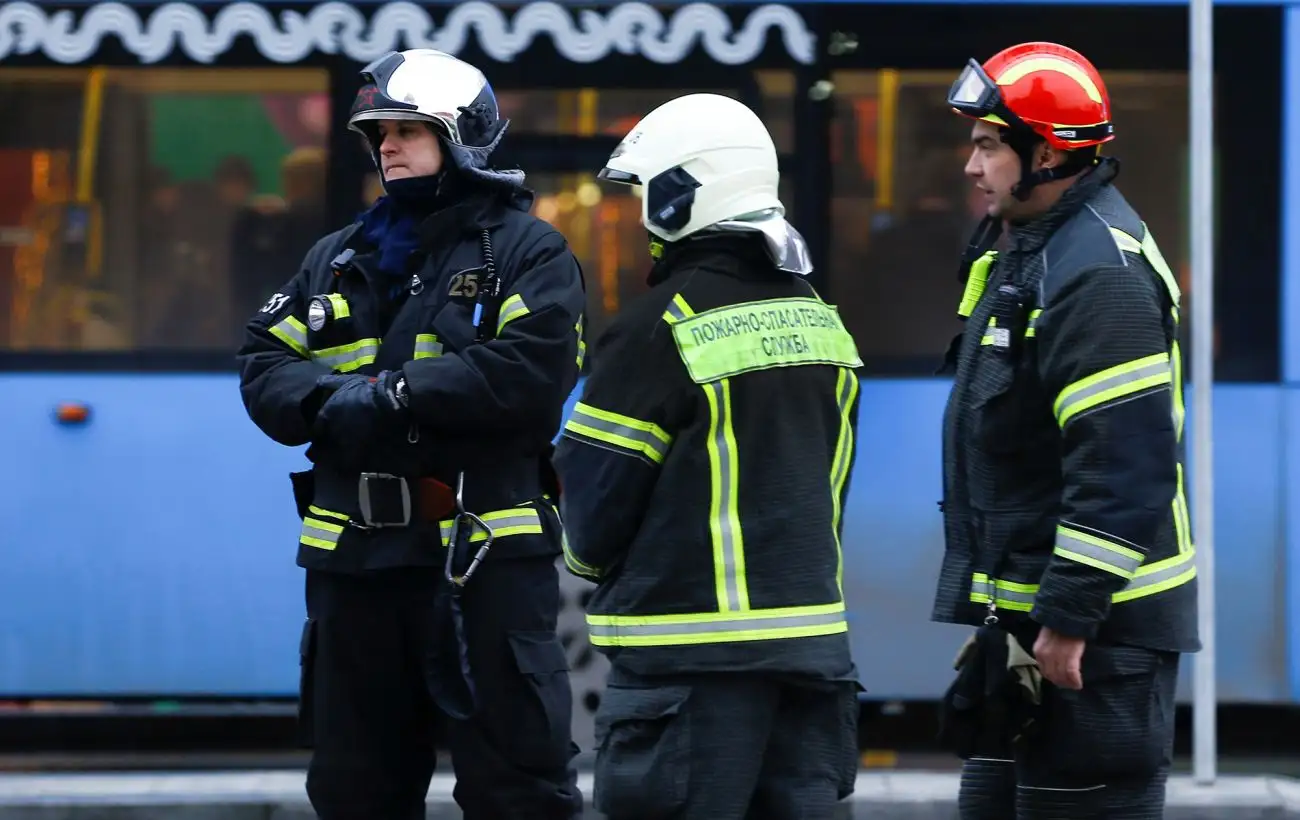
pixel 995 698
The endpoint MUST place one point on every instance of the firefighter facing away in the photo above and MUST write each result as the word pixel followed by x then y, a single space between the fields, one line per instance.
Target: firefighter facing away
pixel 713 441
pixel 1064 512
pixel 425 353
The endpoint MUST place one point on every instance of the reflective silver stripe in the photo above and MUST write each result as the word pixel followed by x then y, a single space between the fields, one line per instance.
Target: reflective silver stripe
pixel 427 346
pixel 1185 565
pixel 1151 575
pixel 623 434
pixel 1124 381
pixel 728 539
pixel 736 627
pixel 348 357
pixel 677 310
pixel 985 590
pixel 522 521
pixel 511 309
pixel 320 534
pixel 1098 551
pixel 292 332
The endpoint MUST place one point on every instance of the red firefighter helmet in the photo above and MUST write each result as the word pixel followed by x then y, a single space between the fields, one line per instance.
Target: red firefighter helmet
pixel 1047 88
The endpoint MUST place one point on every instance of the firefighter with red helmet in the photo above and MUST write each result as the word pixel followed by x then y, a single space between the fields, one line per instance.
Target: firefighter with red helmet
pixel 1068 544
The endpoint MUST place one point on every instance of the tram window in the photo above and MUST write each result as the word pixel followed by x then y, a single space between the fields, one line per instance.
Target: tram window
pixel 902 209
pixel 154 208
pixel 603 226
pixel 585 112
pixel 778 92
pixel 613 111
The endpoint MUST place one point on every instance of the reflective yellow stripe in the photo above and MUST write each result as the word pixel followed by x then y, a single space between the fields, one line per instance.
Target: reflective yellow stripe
pixel 1180 412
pixel 582 343
pixel 717 627
pixel 990 333
pixel 427 346
pixel 293 333
pixel 677 310
pixel 504 523
pixel 320 533
pixel 512 308
pixel 574 563
pixel 1182 518
pixel 1125 241
pixel 1111 385
pixel 1150 579
pixel 571 560
pixel 339 305
pixel 1148 248
pixel 619 433
pixel 976 281
pixel 1098 550
pixel 846 390
pixel 348 357
pixel 724 501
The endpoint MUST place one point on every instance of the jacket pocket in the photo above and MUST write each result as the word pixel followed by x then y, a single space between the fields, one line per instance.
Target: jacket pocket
pixel 545 715
pixel 643 745
pixel 1008 412
pixel 304 490
pixel 1121 724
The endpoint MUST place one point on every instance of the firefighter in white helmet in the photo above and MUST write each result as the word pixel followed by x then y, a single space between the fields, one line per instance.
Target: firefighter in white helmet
pixel 706 465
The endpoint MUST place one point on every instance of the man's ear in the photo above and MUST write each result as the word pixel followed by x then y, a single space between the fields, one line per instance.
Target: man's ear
pixel 1046 156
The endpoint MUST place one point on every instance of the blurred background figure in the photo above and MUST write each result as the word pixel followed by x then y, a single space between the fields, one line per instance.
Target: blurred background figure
pixel 271 234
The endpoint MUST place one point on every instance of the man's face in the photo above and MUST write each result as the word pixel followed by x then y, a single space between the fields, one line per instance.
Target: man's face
pixel 408 149
pixel 995 169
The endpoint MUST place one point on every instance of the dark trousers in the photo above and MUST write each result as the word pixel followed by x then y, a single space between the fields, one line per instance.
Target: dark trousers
pixel 1100 753
pixel 724 746
pixel 372 655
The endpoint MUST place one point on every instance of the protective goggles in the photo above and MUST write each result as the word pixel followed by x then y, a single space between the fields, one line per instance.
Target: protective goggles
pixel 976 95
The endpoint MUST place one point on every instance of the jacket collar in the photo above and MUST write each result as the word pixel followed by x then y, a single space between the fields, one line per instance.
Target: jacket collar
pixel 1030 236
pixel 732 254
pixel 484 208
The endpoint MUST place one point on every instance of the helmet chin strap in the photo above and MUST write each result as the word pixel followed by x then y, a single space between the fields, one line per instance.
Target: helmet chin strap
pixel 1023 143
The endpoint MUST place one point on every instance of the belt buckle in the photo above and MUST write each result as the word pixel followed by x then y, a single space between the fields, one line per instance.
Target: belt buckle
pixel 364 484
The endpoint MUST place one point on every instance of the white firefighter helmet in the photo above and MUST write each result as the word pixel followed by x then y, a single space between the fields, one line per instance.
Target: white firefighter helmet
pixel 707 164
pixel 432 86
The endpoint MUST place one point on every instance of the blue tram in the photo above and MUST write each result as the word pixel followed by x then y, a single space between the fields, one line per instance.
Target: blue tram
pixel 162 167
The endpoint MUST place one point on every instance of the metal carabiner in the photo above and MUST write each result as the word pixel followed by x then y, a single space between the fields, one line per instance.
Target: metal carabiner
pixel 991 618
pixel 453 538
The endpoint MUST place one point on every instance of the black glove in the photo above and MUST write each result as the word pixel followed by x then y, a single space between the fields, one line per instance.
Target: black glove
pixel 360 405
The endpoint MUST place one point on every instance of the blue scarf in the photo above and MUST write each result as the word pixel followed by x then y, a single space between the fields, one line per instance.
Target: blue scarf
pixel 390 224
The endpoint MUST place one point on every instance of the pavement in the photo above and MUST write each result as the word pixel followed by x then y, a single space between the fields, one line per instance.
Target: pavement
pixel 278 795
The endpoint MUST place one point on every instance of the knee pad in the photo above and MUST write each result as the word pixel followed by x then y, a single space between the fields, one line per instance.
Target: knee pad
pixel 988 790
pixel 1043 803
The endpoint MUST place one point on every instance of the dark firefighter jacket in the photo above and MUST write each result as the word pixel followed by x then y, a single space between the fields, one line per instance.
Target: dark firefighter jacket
pixel 713 442
pixel 1063 462
pixel 489 409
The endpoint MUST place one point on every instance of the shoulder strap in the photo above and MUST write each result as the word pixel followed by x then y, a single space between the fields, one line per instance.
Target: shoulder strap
pixel 1150 251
